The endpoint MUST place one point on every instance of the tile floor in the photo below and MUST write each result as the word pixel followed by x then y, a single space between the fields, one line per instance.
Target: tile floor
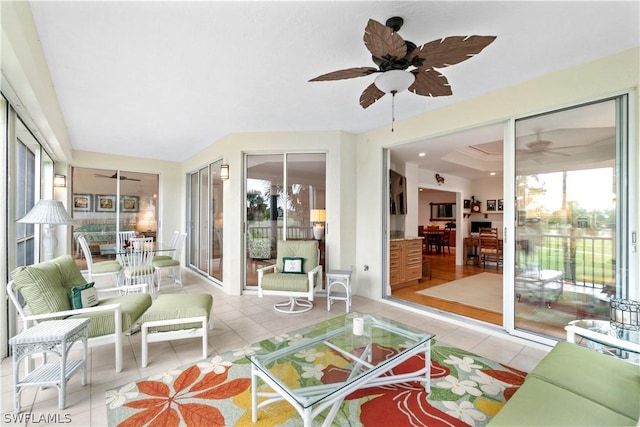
pixel 237 321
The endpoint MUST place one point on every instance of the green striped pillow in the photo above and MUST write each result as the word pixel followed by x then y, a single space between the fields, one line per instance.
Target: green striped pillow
pixel 42 286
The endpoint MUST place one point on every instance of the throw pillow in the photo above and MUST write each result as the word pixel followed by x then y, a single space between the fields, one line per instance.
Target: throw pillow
pixel 292 265
pixel 83 296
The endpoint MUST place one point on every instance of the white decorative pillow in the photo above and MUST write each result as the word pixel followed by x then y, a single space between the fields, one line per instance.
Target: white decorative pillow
pixel 292 265
pixel 84 296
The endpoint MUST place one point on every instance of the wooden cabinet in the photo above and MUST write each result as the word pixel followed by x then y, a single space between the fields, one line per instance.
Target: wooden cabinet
pixel 405 262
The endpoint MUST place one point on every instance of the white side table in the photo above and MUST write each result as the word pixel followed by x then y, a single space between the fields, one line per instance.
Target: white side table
pixel 339 287
pixel 57 337
pixel 598 335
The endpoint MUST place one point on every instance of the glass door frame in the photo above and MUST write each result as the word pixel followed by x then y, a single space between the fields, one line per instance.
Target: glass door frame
pixel 626 170
pixel 289 229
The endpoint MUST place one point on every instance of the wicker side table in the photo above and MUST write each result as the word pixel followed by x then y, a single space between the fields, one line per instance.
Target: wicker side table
pixel 56 337
pixel 342 279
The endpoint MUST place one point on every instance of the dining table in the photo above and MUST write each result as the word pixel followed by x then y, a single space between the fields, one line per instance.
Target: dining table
pixel 433 238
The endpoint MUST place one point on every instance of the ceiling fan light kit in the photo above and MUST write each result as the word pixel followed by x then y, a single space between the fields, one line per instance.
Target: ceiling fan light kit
pixel 394 81
pixel 403 65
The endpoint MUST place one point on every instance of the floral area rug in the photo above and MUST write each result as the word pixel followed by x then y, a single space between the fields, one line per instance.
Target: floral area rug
pixel 466 389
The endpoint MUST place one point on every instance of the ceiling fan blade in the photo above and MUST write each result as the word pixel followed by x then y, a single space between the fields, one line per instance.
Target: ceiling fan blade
pixel 431 83
pixel 382 41
pixel 450 50
pixel 370 95
pixel 124 178
pixel 102 176
pixel 348 73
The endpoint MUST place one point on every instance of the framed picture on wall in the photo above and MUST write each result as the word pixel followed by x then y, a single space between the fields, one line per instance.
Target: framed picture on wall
pixel 491 205
pixel 82 202
pixel 130 204
pixel 105 203
pixel 500 204
pixel 467 204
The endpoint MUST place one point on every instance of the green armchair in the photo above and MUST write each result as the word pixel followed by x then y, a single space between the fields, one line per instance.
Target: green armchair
pixel 297 275
pixel 46 288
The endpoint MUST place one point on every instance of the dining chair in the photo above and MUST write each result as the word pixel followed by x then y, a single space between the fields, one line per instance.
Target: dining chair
pixel 489 247
pixel 433 238
pixel 137 266
pixel 445 241
pixel 171 264
pixel 101 268
pixel 174 241
pixel 421 234
pixel 121 238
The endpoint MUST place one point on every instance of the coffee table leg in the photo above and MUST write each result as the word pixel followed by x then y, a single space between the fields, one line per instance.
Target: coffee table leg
pixel 307 418
pixel 427 362
pixel 254 395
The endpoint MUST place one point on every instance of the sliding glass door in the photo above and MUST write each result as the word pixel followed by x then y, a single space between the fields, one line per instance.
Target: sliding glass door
pixel 285 199
pixel 205 220
pixel 572 191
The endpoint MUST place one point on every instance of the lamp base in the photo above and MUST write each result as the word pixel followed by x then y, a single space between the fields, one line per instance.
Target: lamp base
pixel 318 232
pixel 49 243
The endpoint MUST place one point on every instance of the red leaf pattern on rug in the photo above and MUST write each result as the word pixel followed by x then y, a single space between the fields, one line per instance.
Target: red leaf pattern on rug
pixel 160 411
pixel 398 404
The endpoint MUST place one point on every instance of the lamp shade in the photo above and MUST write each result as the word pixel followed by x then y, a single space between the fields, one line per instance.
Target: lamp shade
pixel 318 215
pixel 394 81
pixel 47 212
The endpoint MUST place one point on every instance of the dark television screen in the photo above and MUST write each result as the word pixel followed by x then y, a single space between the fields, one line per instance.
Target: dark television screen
pixel 477 225
pixel 397 193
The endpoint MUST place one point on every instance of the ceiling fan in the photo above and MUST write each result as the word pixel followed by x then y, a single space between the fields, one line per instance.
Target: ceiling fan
pixel 115 176
pixel 403 65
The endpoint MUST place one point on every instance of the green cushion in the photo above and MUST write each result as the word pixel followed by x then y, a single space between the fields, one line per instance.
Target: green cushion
pixel 43 285
pixel 142 270
pixel 106 267
pixel 132 306
pixel 159 257
pixel 71 274
pixel 178 306
pixel 611 382
pixel 285 282
pixel 307 249
pixel 538 403
pixel 165 263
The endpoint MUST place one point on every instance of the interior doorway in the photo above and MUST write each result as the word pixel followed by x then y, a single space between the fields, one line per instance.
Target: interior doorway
pixel 445 284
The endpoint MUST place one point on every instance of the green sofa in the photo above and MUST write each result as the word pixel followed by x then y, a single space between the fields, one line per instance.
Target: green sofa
pixel 98 234
pixel 575 386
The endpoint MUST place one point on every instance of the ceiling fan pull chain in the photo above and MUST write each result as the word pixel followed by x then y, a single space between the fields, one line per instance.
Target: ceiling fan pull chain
pixel 393 108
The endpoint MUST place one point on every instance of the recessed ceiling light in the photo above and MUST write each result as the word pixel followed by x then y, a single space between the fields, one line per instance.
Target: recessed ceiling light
pixel 422 154
pixel 492 173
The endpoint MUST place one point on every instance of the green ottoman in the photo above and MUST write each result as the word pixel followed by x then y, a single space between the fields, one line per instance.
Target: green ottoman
pixel 176 317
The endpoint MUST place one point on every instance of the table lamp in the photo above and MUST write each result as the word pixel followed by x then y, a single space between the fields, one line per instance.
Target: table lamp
pixel 318 217
pixel 50 212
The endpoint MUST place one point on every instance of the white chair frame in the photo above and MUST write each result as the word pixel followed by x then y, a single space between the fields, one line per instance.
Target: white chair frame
pixel 141 256
pixel 178 244
pixel 89 259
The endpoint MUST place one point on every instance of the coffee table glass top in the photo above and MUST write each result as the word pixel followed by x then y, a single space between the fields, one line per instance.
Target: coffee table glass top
pixel 320 360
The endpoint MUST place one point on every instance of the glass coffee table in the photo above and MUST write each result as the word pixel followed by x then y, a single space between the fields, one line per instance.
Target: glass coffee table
pixel 328 363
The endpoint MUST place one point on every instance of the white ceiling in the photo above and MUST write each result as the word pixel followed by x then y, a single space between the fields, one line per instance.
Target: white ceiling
pixel 164 80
